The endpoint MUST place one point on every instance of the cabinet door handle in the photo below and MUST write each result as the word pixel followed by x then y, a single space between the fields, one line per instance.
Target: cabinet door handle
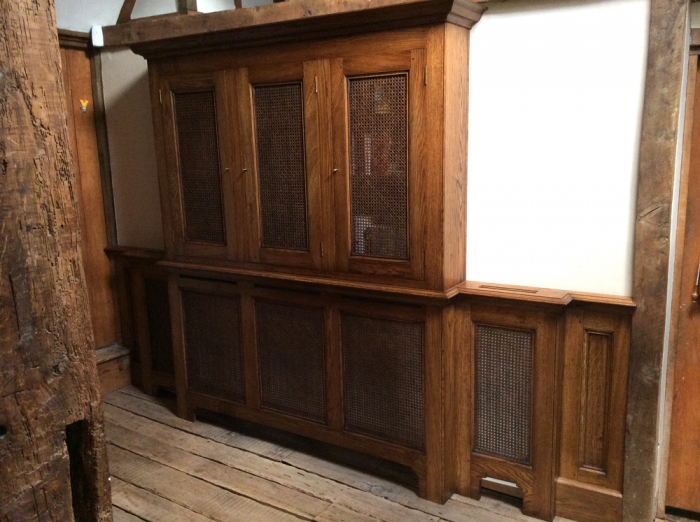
pixel 696 292
pixel 335 171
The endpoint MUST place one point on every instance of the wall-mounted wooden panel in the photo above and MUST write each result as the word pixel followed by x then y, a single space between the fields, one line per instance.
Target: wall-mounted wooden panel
pixel 593 401
pixel 595 397
pixel 511 430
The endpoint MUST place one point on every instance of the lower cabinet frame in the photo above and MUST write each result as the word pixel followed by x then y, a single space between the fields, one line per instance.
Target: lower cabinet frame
pixel 579 356
pixel 427 462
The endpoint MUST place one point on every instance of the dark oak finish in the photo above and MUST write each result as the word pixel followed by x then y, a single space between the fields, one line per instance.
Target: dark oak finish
pixel 144 321
pixel 288 21
pixel 327 296
pixel 534 474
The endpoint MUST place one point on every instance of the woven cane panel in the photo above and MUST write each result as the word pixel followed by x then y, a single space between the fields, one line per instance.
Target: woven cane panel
pixel 282 177
pixel 213 345
pixel 379 166
pixel 383 379
pixel 291 356
pixel 503 392
pixel 158 313
pixel 199 166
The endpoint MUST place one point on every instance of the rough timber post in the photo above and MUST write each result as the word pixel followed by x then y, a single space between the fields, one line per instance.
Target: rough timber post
pixel 52 449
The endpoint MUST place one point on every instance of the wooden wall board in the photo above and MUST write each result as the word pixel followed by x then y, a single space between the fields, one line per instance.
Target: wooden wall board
pixel 77 75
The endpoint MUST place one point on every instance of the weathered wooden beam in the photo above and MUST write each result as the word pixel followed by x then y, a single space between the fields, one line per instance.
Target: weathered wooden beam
pixel 52 447
pixel 288 20
pixel 126 10
pixel 657 167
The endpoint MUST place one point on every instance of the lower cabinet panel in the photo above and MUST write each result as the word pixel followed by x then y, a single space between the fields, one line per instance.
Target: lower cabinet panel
pixel 511 427
pixel 466 393
pixel 341 370
pixel 212 331
pixel 383 378
pixel 290 341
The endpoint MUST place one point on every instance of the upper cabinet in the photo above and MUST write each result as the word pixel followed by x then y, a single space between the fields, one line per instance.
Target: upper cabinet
pixel 340 157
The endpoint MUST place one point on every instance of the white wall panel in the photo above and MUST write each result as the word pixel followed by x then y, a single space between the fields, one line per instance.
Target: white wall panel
pixel 556 93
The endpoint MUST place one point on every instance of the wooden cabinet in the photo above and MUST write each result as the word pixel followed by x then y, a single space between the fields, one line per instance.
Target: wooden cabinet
pixel 326 159
pixel 313 184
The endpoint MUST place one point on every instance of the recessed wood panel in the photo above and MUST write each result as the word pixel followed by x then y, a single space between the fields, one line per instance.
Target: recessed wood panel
pixel 159 328
pixel 594 399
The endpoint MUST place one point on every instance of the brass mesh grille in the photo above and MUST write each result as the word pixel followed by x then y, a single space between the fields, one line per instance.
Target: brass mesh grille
pixel 383 378
pixel 213 344
pixel 158 312
pixel 503 392
pixel 291 355
pixel 379 165
pixel 199 166
pixel 279 127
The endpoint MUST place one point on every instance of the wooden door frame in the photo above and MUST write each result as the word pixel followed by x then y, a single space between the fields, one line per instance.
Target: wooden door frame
pixel 660 138
pixel 691 94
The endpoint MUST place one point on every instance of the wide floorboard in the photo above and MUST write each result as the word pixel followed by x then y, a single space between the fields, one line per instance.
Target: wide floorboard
pixel 165 469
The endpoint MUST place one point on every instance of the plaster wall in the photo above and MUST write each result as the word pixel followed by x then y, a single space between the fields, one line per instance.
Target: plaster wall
pixel 555 106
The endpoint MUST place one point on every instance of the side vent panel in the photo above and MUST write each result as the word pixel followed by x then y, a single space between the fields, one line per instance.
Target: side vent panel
pixel 503 392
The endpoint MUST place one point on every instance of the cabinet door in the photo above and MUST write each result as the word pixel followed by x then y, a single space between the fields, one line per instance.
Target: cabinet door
pixel 378 124
pixel 277 106
pixel 197 162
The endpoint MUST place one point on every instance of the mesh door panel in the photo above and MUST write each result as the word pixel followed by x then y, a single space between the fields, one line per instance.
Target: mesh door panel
pixel 383 378
pixel 213 344
pixel 292 362
pixel 279 127
pixel 503 392
pixel 379 165
pixel 195 116
pixel 158 312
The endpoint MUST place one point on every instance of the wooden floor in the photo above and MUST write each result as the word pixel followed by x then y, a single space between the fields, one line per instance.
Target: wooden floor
pixel 164 469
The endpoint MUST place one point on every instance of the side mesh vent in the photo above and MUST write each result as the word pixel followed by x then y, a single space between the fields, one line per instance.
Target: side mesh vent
pixel 379 165
pixel 195 117
pixel 158 313
pixel 292 362
pixel 383 379
pixel 503 392
pixel 213 344
pixel 279 126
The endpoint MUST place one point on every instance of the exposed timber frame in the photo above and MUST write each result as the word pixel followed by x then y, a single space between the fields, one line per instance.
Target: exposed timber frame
pixel 657 167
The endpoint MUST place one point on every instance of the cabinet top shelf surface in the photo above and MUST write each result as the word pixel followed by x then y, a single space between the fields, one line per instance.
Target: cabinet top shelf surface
pixel 282 22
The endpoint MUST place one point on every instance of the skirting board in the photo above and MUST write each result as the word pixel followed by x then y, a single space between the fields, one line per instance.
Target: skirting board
pixel 587 503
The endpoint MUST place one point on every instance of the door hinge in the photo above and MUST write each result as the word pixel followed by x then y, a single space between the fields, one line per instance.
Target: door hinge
pixel 160 95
